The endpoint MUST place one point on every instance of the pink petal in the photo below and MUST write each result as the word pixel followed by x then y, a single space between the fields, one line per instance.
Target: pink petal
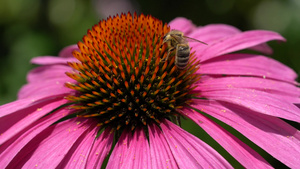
pixel 256 101
pixel 51 60
pixel 116 159
pixel 213 33
pixel 238 42
pixel 10 148
pixel 100 149
pixel 263 48
pixel 78 156
pixel 270 133
pixel 11 107
pixel 248 65
pixel 16 120
pixel 239 150
pixel 130 151
pixel 65 55
pixel 45 88
pixel 67 51
pixel 216 33
pixel 50 147
pixel 182 24
pixel 43 73
pixel 279 89
pixel 189 151
pixel 161 155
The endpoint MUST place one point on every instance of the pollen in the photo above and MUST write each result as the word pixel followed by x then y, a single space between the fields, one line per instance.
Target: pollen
pixel 122 81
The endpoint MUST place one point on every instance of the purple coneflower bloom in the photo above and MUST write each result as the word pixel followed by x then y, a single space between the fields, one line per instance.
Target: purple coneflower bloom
pixel 113 93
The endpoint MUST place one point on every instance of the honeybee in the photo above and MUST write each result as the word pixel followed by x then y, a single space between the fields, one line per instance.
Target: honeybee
pixel 177 41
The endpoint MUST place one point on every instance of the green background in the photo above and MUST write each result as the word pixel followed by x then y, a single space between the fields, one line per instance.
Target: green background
pixel 30 28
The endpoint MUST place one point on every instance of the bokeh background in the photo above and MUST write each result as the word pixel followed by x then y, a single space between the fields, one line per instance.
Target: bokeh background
pixel 30 28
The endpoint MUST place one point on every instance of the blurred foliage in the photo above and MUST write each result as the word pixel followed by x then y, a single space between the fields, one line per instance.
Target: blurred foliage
pixel 42 27
pixel 35 28
pixel 31 28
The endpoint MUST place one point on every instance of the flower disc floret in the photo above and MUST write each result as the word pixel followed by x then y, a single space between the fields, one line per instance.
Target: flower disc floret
pixel 121 78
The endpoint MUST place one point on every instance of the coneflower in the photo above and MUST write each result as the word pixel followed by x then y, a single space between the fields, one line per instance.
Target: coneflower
pixel 117 85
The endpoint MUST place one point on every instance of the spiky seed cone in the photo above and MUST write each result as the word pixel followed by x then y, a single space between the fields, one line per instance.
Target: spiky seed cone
pixel 121 80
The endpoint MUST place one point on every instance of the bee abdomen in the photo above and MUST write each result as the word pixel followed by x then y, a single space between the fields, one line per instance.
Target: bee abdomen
pixel 182 55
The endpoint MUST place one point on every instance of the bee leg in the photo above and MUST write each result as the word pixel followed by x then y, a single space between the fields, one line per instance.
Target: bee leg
pixel 169 51
pixel 166 58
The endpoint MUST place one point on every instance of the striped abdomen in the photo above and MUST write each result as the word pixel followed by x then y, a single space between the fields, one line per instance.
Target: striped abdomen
pixel 182 55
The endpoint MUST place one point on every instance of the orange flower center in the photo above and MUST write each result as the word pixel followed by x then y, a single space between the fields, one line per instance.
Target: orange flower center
pixel 121 78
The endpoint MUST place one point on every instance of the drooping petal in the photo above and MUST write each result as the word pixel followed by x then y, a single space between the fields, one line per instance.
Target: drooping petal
pixel 215 33
pixel 47 88
pixel 77 155
pixel 49 72
pixel 15 120
pixel 120 151
pixel 131 151
pixel 257 101
pixel 212 34
pixel 272 134
pixel 189 151
pixel 182 24
pixel 263 48
pixel 48 148
pixel 248 65
pixel 80 155
pixel 65 55
pixel 9 149
pixel 100 149
pixel 239 150
pixel 238 42
pixel 279 89
pixel 161 155
pixel 67 51
pixel 15 106
pixel 52 60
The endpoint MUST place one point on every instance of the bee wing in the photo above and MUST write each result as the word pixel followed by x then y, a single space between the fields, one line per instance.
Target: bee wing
pixel 193 40
pixel 177 37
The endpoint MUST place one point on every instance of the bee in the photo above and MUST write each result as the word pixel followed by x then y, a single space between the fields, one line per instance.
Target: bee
pixel 177 41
